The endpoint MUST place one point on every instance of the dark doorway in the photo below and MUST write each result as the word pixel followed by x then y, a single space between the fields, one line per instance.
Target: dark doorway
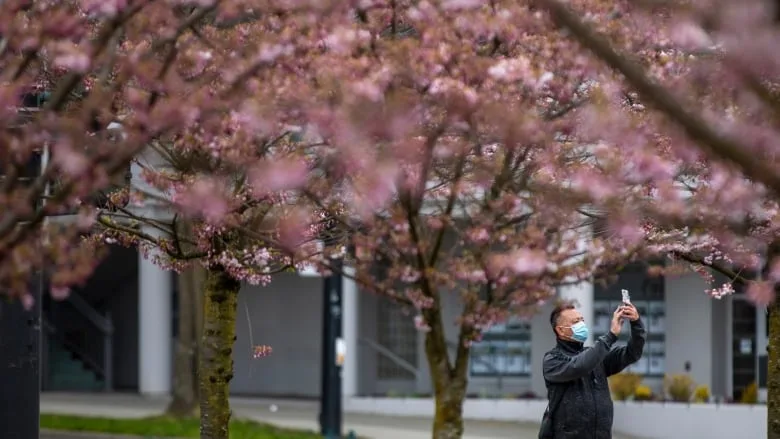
pixel 743 346
pixel 76 346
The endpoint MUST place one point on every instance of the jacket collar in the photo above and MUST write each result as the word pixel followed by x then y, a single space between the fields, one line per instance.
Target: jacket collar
pixel 570 346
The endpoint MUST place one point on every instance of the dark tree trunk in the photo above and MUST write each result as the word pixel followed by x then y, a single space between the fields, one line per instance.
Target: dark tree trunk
pixel 773 366
pixel 449 383
pixel 220 304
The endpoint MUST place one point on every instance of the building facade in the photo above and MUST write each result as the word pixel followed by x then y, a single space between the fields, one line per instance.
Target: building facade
pixel 720 343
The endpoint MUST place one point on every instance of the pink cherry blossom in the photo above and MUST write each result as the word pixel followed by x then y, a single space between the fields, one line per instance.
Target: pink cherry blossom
pixel 456 145
pixel 774 271
pixel 420 324
pixel 204 197
pixel 108 8
pixel 528 262
pixel 59 293
pixel 761 293
pixel 28 302
pixel 691 36
pixel 72 163
pixel 72 57
pixel 273 176
pixel 456 5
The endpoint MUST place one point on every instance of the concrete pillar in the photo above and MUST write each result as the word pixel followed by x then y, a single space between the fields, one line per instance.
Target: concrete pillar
pixel 155 344
pixel 351 329
pixel 762 346
pixel 542 340
pixel 582 293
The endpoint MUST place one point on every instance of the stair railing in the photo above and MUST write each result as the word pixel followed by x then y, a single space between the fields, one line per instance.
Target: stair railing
pixel 105 325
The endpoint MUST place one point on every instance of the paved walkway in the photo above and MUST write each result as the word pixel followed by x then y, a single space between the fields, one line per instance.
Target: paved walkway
pixel 282 413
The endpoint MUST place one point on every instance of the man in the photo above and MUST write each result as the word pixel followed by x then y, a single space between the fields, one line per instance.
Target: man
pixel 576 376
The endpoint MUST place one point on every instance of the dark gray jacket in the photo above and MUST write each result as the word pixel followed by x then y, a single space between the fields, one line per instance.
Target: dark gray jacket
pixel 581 374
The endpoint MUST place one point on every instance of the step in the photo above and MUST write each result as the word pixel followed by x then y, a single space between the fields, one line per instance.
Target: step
pixel 67 382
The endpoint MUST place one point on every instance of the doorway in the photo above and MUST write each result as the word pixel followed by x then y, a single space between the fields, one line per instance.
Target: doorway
pixel 743 346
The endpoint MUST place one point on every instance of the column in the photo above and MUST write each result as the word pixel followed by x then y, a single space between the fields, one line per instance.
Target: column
pixel 762 351
pixel 155 322
pixel 350 328
pixel 582 293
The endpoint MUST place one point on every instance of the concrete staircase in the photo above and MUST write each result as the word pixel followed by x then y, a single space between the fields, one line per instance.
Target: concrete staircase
pixel 68 373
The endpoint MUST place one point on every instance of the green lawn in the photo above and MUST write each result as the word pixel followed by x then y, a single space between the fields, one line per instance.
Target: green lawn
pixel 166 427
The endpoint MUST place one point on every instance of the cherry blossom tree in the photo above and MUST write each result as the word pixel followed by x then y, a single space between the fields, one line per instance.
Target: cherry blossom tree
pixel 181 83
pixel 710 117
pixel 439 155
pixel 460 149
pixel 654 169
pixel 467 179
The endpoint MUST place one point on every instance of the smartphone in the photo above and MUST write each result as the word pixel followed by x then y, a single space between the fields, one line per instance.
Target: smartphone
pixel 626 297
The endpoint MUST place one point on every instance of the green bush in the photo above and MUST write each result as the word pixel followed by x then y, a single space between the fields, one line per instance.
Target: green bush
pixel 679 387
pixel 701 394
pixel 624 385
pixel 750 394
pixel 643 393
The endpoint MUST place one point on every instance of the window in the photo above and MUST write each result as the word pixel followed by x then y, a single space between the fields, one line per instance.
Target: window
pixel 396 332
pixel 505 350
pixel 647 294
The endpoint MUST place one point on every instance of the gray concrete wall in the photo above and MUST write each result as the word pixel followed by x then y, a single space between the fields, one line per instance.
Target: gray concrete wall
pixel 689 336
pixel 542 340
pixel 287 316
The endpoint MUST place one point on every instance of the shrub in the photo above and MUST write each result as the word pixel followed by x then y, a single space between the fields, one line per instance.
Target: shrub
pixel 643 393
pixel 750 394
pixel 624 385
pixel 701 394
pixel 679 387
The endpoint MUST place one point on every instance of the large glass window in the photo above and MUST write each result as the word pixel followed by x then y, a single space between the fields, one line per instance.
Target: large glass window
pixel 505 350
pixel 647 294
pixel 395 332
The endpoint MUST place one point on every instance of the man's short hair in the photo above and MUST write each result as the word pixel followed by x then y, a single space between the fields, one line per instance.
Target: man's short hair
pixel 556 313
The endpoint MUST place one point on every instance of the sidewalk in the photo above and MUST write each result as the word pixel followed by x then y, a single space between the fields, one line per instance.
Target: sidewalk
pixel 287 413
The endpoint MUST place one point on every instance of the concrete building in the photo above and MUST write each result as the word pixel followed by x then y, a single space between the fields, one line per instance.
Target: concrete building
pixel 117 332
pixel 720 343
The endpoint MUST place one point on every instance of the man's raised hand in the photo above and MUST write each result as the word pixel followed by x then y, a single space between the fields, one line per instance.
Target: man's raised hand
pixel 617 321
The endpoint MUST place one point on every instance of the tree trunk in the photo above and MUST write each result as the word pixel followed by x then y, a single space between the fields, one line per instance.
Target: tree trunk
pixel 216 352
pixel 449 383
pixel 773 374
pixel 773 366
pixel 185 381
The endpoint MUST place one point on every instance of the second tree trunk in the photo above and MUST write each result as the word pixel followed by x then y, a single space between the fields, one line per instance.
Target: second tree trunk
pixel 216 352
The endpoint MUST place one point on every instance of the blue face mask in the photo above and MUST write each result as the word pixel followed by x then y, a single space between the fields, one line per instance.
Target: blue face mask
pixel 579 332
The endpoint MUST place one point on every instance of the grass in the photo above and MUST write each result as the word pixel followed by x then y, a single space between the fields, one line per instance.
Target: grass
pixel 162 426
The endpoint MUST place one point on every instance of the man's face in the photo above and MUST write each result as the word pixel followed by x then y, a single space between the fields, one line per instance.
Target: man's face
pixel 566 320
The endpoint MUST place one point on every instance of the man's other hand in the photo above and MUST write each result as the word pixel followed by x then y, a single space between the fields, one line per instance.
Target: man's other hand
pixel 630 312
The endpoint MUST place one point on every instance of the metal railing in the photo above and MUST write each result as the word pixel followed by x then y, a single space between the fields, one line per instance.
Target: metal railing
pixel 105 325
pixel 496 374
pixel 101 322
pixel 390 355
